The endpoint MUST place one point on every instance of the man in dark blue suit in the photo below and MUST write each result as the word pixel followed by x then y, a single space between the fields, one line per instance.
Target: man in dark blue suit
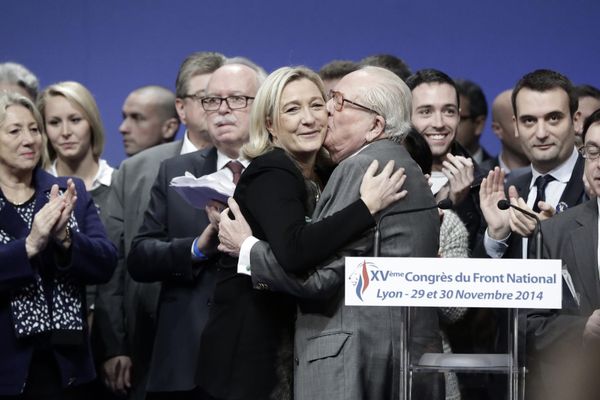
pixel 175 243
pixel 544 105
pixel 566 341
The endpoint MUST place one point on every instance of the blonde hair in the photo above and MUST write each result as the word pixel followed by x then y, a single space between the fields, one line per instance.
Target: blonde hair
pixel 265 108
pixel 80 97
pixel 8 99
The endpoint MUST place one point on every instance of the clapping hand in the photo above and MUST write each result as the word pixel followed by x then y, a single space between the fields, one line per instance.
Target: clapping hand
pixel 460 173
pixel 69 198
pixel 491 191
pixel 521 223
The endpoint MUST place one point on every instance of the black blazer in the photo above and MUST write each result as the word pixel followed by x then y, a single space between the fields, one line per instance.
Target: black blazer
pixel 573 195
pixel 161 252
pixel 468 210
pixel 246 346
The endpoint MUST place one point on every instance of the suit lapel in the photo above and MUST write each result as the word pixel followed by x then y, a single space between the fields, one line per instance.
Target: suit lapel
pixel 583 239
pixel 11 222
pixel 521 183
pixel 574 191
pixel 203 162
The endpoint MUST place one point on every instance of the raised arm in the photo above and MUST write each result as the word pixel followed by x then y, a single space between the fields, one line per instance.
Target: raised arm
pixel 281 219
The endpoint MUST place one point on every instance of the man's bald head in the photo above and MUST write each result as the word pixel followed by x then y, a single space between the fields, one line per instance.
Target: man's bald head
pixel 149 118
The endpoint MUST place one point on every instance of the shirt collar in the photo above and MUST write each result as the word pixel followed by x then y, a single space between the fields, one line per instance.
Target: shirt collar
pixel 562 173
pixel 359 150
pixel 188 146
pixel 102 178
pixel 223 159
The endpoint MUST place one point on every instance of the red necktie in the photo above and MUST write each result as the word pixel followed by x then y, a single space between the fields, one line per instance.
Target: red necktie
pixel 236 168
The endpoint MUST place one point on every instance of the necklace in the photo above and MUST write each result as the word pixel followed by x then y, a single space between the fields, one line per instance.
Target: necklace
pixel 19 204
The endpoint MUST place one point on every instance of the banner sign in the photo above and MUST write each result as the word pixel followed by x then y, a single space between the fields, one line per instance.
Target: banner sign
pixel 453 282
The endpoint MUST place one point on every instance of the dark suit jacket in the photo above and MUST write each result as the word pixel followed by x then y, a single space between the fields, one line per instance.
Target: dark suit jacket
pixel 573 195
pixel 468 210
pixel 92 260
pixel 125 312
pixel 161 252
pixel 242 343
pixel 572 237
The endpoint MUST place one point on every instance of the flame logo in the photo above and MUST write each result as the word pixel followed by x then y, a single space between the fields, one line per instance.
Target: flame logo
pixel 363 281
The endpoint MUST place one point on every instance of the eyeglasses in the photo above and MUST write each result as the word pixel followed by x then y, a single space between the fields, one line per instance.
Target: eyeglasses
pixel 589 152
pixel 339 100
pixel 233 102
pixel 195 97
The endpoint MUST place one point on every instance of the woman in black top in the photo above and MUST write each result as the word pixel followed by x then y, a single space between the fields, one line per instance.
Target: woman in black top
pixel 246 345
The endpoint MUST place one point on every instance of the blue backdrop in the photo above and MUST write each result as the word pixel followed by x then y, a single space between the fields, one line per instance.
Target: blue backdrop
pixel 115 46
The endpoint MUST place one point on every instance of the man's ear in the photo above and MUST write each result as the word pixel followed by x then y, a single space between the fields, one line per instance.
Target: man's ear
pixel 169 129
pixel 515 126
pixel 377 129
pixel 578 122
pixel 497 129
pixel 180 111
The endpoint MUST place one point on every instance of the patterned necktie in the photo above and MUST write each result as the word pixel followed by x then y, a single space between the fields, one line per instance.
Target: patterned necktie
pixel 236 168
pixel 540 183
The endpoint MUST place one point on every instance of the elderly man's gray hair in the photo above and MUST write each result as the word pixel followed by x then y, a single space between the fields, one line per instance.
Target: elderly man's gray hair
pixel 392 99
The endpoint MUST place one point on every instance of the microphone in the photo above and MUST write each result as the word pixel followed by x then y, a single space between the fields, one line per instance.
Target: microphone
pixel 445 204
pixel 505 205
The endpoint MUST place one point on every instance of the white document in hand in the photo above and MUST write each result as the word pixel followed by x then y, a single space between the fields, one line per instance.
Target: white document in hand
pixel 199 191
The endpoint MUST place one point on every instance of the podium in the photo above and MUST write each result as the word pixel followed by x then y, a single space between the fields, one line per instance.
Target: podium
pixel 454 282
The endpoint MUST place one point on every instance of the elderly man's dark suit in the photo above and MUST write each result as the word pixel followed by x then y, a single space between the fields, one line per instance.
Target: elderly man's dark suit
pixel 161 252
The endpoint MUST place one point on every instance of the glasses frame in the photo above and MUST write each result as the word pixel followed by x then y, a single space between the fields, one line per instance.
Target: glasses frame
pixel 195 97
pixel 226 100
pixel 339 106
pixel 584 153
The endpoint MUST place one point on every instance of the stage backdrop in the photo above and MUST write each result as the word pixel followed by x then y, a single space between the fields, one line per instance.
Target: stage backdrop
pixel 115 46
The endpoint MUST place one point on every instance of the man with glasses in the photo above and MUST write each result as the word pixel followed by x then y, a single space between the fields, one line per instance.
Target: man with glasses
pixel 176 242
pixel 125 310
pixel 345 352
pixel 566 341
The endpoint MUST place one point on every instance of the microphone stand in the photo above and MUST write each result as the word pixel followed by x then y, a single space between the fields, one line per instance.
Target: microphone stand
pixel 539 240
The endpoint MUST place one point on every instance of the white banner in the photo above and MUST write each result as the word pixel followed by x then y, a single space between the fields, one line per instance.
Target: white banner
pixel 453 282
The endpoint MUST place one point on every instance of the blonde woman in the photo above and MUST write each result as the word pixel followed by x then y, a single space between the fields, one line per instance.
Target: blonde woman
pixel 75 143
pixel 76 137
pixel 51 244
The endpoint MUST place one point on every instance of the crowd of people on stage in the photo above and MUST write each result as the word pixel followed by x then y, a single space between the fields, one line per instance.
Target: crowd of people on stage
pixel 113 286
